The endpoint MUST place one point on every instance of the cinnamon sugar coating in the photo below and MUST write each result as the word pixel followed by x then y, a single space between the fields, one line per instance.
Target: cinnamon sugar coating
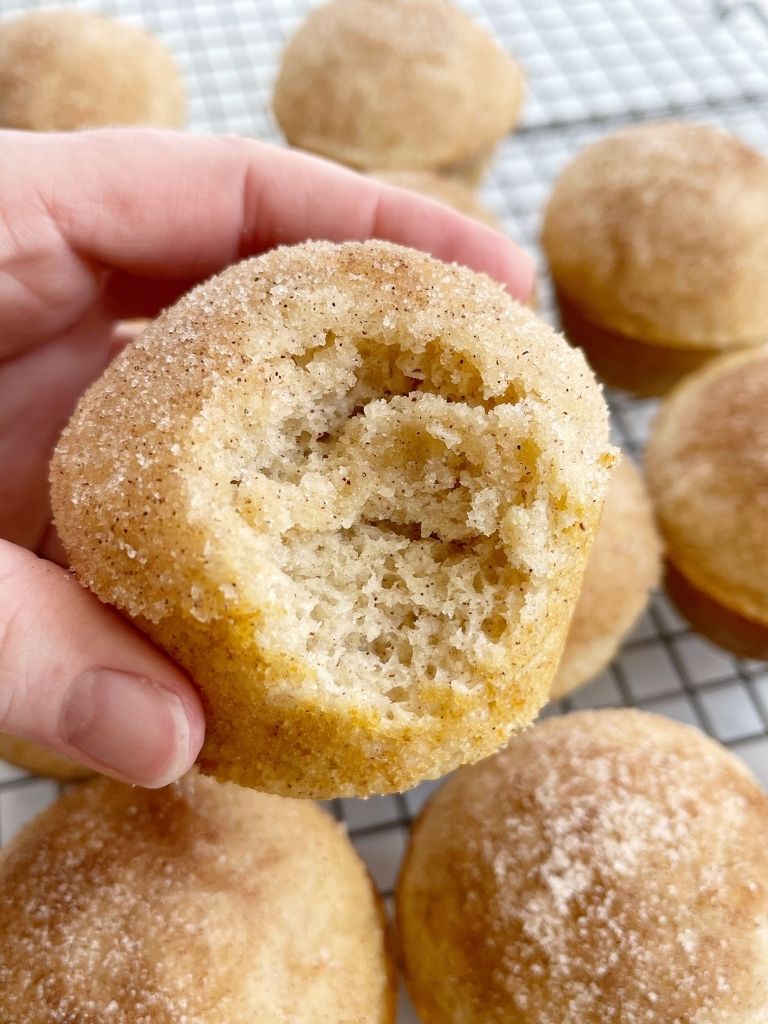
pixel 397 84
pixel 607 867
pixel 200 903
pixel 707 469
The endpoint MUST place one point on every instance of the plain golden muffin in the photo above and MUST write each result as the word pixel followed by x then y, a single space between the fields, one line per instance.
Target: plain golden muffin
pixel 394 84
pixel 201 903
pixel 624 565
pixel 608 867
pixel 63 69
pixel 657 241
pixel 40 761
pixel 351 490
pixel 707 469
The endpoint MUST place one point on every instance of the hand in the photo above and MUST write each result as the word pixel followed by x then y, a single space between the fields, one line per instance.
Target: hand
pixel 99 226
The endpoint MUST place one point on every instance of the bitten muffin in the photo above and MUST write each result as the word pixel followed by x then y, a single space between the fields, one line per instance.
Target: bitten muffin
pixel 395 84
pixel 352 490
pixel 607 866
pixel 707 469
pixel 657 241
pixel 624 565
pixel 63 70
pixel 201 902
pixel 39 761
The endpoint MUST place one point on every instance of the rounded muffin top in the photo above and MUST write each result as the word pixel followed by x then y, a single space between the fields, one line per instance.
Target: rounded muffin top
pixel 661 232
pixel 605 866
pixel 395 83
pixel 64 70
pixel 707 466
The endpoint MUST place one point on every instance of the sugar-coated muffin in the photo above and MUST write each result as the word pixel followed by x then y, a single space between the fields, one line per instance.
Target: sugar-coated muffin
pixel 39 761
pixel 707 470
pixel 607 867
pixel 657 241
pixel 64 69
pixel 201 903
pixel 394 84
pixel 351 489
pixel 624 565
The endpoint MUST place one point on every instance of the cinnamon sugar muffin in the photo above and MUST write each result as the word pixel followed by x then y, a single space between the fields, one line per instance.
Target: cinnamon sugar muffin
pixel 397 84
pixel 707 469
pixel 657 241
pixel 199 903
pixel 624 565
pixel 607 866
pixel 40 761
pixel 64 69
pixel 351 489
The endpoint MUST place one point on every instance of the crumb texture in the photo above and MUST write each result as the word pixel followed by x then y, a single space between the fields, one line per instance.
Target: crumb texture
pixel 627 241
pixel 624 565
pixel 707 467
pixel 606 867
pixel 396 84
pixel 352 490
pixel 63 70
pixel 202 903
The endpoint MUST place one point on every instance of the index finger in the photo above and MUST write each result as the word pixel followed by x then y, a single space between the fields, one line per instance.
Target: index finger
pixel 169 205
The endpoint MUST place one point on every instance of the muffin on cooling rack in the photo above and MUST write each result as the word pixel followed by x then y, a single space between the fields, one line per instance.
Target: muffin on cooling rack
pixel 394 84
pixel 657 241
pixel 200 902
pixel 63 70
pixel 606 867
pixel 39 761
pixel 623 567
pixel 707 469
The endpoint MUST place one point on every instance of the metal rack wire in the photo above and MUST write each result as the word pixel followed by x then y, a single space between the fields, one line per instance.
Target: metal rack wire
pixel 591 66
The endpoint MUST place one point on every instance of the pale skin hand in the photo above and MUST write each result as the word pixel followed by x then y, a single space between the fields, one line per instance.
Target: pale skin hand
pixel 104 225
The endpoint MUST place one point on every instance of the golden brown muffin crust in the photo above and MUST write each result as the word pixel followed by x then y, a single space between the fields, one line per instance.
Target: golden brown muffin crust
pixel 660 232
pixel 623 567
pixel 351 490
pixel 63 70
pixel 743 636
pixel 202 903
pixel 39 761
pixel 620 361
pixel 395 83
pixel 707 469
pixel 605 867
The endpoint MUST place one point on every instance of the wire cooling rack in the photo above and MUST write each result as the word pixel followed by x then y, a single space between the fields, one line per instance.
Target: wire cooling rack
pixel 591 65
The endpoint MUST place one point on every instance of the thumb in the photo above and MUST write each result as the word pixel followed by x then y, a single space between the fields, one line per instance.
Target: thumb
pixel 80 680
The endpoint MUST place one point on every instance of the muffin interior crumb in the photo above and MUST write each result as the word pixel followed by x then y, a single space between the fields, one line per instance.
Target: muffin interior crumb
pixel 380 503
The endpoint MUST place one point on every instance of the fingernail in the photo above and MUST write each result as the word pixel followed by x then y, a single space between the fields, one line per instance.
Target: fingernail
pixel 128 725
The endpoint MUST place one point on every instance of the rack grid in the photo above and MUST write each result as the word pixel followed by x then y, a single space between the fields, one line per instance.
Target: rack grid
pixel 591 66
